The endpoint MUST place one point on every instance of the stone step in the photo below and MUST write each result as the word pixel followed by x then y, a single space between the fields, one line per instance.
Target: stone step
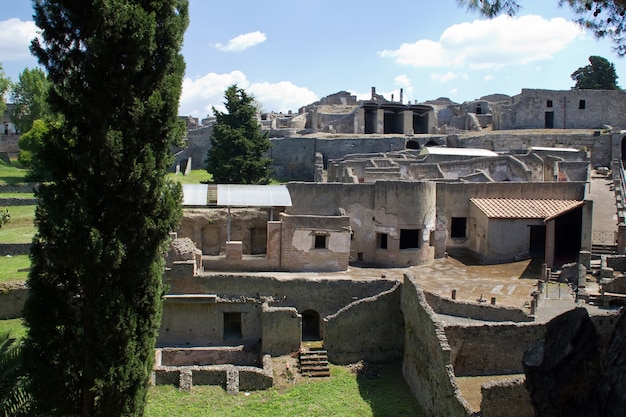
pixel 314 363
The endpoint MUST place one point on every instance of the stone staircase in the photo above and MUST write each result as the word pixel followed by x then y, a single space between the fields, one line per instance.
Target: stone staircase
pixel 314 362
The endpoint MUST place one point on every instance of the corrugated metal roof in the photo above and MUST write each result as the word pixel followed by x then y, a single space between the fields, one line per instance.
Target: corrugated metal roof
pixel 436 150
pixel 518 208
pixel 237 195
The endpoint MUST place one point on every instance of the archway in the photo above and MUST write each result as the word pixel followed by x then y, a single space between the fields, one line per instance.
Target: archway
pixel 412 144
pixel 310 325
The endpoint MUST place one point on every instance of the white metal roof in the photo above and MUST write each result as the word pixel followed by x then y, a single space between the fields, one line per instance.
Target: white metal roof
pixel 436 150
pixel 544 148
pixel 237 195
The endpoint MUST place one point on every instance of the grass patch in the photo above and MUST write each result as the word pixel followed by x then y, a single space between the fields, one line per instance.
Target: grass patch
pixel 14 327
pixel 344 394
pixel 10 267
pixel 21 227
pixel 196 176
pixel 17 195
pixel 11 175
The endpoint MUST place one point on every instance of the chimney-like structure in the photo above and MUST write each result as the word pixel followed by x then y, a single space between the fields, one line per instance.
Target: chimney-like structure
pixel 401 94
pixel 373 93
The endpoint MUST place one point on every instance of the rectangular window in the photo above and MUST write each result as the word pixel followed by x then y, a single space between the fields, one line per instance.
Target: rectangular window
pixel 549 103
pixel 582 104
pixel 381 240
pixel 409 238
pixel 458 227
pixel 232 326
pixel 320 241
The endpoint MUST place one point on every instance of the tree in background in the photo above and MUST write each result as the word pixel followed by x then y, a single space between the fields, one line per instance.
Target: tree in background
pixel 97 258
pixel 30 144
pixel 605 18
pixel 237 143
pixel 28 96
pixel 5 85
pixel 598 75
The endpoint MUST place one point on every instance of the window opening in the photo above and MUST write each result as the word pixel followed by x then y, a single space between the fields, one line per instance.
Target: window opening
pixel 458 227
pixel 549 103
pixel 409 238
pixel 320 242
pixel 582 104
pixel 381 240
pixel 232 326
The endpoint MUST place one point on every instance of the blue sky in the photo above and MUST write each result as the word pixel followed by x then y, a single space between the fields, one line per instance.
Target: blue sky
pixel 289 54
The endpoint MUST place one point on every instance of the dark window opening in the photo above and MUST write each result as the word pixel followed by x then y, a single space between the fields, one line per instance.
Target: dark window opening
pixel 381 240
pixel 458 227
pixel 549 103
pixel 232 326
pixel 582 104
pixel 412 144
pixel 310 325
pixel 320 241
pixel 409 238
pixel 479 110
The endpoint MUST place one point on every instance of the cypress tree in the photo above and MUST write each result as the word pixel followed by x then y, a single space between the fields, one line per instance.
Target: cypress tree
pixel 237 142
pixel 95 284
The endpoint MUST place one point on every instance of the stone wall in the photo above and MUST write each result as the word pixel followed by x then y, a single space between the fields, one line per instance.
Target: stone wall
pixel 477 311
pixel 12 299
pixel 570 109
pixel 370 329
pixel 282 330
pixel 491 348
pixel 426 365
pixel 507 398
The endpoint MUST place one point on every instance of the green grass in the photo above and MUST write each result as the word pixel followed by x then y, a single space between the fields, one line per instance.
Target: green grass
pixel 16 195
pixel 344 394
pixel 14 327
pixel 10 268
pixel 196 176
pixel 20 229
pixel 11 174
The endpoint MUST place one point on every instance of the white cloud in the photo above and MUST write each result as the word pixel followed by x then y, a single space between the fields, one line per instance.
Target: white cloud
pixel 242 42
pixel 15 37
pixel 448 76
pixel 489 44
pixel 489 77
pixel 202 93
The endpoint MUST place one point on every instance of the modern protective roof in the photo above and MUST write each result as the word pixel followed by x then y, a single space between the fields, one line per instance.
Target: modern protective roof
pixel 519 208
pixel 437 150
pixel 544 148
pixel 236 195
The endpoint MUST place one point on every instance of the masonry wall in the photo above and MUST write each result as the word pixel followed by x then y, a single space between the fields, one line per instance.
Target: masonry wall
pixel 12 299
pixel 426 364
pixel 508 398
pixel 282 330
pixel 571 109
pixel 370 329
pixel 323 295
pixel 384 207
pixel 300 234
pixel 491 348
pixel 477 311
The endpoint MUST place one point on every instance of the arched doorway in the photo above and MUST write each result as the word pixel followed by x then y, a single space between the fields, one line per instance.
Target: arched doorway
pixel 310 325
pixel 412 144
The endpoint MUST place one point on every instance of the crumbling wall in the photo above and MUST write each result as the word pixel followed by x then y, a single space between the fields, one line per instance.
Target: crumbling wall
pixel 477 311
pixel 282 330
pixel 370 329
pixel 506 398
pixel 12 299
pixel 491 348
pixel 426 363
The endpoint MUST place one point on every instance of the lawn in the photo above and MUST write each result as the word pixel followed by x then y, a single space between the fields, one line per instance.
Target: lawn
pixel 196 176
pixel 14 327
pixel 10 267
pixel 11 175
pixel 20 229
pixel 343 394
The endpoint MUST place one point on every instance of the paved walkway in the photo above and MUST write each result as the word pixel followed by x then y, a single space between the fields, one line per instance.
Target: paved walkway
pixel 604 226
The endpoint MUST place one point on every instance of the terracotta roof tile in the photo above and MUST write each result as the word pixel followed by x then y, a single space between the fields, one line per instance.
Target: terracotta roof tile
pixel 519 208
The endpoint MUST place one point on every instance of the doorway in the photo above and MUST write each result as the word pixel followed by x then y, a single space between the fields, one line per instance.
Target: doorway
pixel 549 122
pixel 310 325
pixel 537 241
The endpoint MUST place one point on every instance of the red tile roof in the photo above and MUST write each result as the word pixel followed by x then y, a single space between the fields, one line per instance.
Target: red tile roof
pixel 520 208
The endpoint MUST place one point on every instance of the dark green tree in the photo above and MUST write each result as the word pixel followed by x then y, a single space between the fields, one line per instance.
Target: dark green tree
pixel 605 18
pixel 598 75
pixel 237 143
pixel 5 85
pixel 28 96
pixel 95 284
